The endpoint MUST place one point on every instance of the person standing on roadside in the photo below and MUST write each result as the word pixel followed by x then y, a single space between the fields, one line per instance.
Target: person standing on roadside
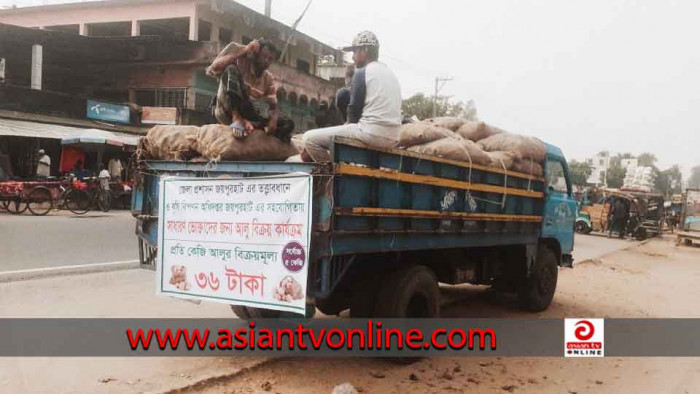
pixel 43 168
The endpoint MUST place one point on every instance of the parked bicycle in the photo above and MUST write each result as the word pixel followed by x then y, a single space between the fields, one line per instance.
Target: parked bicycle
pixel 77 196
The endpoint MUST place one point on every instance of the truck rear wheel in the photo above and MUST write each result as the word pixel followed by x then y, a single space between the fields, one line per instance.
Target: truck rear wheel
pixel 536 292
pixel 408 292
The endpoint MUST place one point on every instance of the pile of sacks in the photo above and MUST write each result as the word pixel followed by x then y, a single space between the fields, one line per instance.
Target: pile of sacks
pixel 474 142
pixel 212 143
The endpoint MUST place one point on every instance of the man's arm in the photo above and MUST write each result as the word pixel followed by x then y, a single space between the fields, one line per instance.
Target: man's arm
pixel 357 96
pixel 229 55
pixel 271 98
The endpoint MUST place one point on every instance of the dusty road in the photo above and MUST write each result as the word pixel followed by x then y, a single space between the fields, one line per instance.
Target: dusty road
pixel 62 238
pixel 651 280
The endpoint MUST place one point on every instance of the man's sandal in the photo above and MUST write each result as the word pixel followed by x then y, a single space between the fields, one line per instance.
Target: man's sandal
pixel 239 131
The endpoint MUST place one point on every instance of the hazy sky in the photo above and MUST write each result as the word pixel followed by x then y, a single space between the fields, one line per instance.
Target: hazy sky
pixel 586 75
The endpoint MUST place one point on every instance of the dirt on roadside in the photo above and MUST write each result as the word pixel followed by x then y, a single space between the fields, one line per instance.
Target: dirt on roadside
pixel 654 279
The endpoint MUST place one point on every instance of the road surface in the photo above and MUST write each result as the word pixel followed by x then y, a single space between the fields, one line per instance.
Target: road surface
pixel 62 238
pixel 131 294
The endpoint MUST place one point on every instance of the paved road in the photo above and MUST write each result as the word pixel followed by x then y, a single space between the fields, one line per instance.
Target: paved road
pixel 62 238
pixel 592 246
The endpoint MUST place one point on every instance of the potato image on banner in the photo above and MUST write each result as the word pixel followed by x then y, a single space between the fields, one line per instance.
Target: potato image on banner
pixel 178 277
pixel 289 290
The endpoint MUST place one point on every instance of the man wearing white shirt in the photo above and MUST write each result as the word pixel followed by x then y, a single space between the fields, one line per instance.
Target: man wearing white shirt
pixel 374 113
pixel 43 168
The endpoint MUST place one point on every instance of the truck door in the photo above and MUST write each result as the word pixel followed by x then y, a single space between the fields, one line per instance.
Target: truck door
pixel 560 206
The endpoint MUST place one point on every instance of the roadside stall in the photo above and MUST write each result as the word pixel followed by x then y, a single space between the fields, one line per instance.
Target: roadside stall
pixel 689 228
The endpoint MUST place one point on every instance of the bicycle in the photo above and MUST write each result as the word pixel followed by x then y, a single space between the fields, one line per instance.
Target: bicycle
pixel 76 196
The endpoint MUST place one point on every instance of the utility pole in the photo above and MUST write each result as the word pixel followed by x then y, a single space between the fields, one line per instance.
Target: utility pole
pixel 268 8
pixel 439 83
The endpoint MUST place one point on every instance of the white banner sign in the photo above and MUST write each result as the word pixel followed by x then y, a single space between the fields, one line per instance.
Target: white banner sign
pixel 237 241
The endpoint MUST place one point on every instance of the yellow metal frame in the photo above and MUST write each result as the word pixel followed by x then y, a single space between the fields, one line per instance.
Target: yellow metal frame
pixel 346 169
pixel 414 213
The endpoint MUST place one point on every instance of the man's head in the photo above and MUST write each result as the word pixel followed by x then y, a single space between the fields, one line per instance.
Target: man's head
pixel 365 47
pixel 41 151
pixel 265 56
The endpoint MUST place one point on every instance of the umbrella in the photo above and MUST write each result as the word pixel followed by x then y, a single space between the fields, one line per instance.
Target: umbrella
pixel 93 136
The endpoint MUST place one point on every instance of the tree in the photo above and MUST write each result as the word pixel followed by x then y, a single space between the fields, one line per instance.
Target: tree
pixel 669 182
pixel 616 174
pixel 646 159
pixel 421 106
pixel 580 171
pixel 694 180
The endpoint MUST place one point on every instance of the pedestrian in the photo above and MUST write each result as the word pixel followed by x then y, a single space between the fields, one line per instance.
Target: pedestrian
pixel 619 215
pixel 374 112
pixel 342 98
pixel 115 169
pixel 43 168
pixel 247 95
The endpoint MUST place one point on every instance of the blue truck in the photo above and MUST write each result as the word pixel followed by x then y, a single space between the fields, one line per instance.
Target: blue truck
pixel 388 225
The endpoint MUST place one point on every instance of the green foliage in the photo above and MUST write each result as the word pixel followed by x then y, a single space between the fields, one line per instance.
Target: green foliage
pixel 421 106
pixel 580 171
pixel 694 180
pixel 669 182
pixel 646 159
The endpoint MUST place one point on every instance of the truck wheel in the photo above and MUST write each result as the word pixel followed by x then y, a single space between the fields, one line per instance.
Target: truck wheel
pixel 408 292
pixel 331 306
pixel 537 291
pixel 582 228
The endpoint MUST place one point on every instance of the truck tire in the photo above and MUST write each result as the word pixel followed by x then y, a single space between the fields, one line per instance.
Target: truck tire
pixel 536 292
pixel 331 306
pixel 408 292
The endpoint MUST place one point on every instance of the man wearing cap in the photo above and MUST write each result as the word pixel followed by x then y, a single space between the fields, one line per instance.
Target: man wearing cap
pixel 374 112
pixel 43 168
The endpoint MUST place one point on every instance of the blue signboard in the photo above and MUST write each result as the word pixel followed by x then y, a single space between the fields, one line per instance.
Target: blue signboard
pixel 107 112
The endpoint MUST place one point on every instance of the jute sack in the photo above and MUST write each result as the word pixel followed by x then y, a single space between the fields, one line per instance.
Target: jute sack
pixel 298 142
pixel 448 122
pixel 449 148
pixel 216 142
pixel 165 142
pixel 524 147
pixel 423 132
pixel 527 166
pixel 500 159
pixel 476 131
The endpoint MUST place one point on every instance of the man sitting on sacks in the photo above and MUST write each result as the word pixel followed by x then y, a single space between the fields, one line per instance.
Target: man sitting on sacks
pixel 374 113
pixel 247 95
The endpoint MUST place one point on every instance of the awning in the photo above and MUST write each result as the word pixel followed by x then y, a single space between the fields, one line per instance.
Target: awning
pixel 20 128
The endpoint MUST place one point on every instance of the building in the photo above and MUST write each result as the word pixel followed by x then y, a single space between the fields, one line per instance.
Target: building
pixel 599 163
pixel 60 62
pixel 163 70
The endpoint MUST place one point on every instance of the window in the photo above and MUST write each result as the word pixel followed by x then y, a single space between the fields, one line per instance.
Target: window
pixel 556 178
pixel 202 101
pixel 303 66
pixel 225 35
pixel 168 97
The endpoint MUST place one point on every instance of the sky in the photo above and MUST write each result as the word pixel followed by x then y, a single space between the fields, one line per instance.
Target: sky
pixel 587 76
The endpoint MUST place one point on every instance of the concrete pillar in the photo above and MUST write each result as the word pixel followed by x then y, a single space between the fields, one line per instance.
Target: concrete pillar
pixel 37 66
pixel 214 36
pixel 135 28
pixel 194 25
pixel 84 29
